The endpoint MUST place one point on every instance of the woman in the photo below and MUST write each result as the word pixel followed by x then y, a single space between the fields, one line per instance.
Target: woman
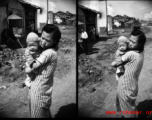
pixel 40 94
pixel 128 82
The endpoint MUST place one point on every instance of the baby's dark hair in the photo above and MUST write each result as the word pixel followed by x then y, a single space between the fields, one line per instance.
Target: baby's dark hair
pixel 141 38
pixel 51 28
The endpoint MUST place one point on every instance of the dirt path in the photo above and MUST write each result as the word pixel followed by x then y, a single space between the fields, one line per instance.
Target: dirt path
pixel 64 90
pixel 98 97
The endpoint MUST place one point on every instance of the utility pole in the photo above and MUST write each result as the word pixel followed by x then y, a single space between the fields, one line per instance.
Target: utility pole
pixel 47 13
pixel 106 17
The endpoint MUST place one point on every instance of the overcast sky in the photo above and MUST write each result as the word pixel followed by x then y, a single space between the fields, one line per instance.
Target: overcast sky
pixel 62 5
pixel 57 5
pixel 138 9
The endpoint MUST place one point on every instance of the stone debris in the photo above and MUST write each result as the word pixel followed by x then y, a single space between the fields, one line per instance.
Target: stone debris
pixel 93 71
pixel 11 57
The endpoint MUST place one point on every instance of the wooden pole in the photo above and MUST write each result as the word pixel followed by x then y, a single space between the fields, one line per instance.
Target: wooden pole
pixel 20 42
pixel 106 18
pixel 47 13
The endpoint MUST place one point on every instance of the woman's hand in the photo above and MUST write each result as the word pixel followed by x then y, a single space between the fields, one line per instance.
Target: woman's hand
pixel 119 61
pixel 28 70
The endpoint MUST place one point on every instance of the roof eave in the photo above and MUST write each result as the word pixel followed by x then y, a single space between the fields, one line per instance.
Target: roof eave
pixel 24 2
pixel 83 7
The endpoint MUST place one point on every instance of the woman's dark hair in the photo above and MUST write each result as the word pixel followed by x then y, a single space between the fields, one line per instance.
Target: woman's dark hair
pixel 51 28
pixel 141 38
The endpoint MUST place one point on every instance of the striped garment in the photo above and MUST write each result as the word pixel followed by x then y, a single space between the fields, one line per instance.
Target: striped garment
pixel 30 57
pixel 29 60
pixel 41 88
pixel 128 82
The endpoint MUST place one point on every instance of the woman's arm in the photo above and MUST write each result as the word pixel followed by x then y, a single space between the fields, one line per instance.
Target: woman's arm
pixel 46 56
pixel 124 58
pixel 28 70
pixel 40 61
pixel 117 59
pixel 29 58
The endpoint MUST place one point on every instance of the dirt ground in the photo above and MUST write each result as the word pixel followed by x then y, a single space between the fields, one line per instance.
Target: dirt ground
pixel 14 101
pixel 96 79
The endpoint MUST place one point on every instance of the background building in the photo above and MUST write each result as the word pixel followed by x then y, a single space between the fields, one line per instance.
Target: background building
pixel 93 13
pixel 33 15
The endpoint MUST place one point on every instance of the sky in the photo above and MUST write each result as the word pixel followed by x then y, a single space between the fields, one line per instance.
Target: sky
pixel 138 9
pixel 58 5
pixel 63 5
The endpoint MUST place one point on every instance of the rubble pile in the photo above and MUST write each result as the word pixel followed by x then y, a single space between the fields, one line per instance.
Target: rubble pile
pixel 88 73
pixel 11 57
pixel 89 76
pixel 84 60
pixel 109 52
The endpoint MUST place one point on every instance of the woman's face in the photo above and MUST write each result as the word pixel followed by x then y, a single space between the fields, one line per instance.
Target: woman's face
pixel 46 40
pixel 133 42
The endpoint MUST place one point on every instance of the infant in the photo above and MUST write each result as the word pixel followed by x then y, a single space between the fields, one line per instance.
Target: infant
pixel 122 49
pixel 33 49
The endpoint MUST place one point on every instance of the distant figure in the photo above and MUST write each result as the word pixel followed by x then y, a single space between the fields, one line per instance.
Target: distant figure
pixel 4 36
pixel 90 34
pixel 31 26
pixel 9 38
pixel 93 34
pixel 80 42
pixel 84 37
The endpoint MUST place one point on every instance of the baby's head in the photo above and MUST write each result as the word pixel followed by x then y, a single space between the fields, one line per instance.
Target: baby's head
pixel 32 41
pixel 122 43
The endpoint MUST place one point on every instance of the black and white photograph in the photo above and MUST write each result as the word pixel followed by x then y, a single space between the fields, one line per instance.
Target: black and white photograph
pixel 38 59
pixel 114 59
